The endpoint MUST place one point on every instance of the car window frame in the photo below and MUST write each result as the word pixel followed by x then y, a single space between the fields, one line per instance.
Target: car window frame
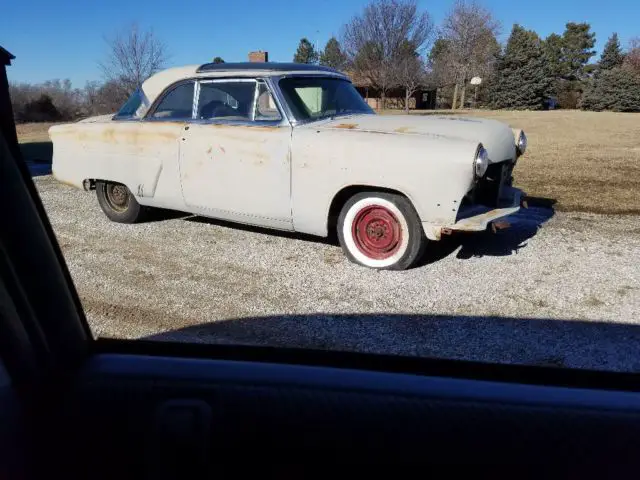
pixel 293 120
pixel 154 107
pixel 282 121
pixel 285 119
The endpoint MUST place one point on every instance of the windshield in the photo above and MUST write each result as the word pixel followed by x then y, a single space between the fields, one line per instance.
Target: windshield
pixel 315 98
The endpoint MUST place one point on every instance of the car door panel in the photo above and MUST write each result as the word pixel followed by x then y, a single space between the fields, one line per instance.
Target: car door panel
pixel 238 169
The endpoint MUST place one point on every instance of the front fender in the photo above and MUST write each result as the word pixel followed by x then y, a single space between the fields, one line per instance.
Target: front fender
pixel 434 172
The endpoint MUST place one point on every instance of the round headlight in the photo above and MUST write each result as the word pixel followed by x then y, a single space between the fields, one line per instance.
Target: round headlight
pixel 522 142
pixel 482 162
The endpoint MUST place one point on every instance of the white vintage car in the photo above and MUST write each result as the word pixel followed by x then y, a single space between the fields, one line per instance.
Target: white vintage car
pixel 293 147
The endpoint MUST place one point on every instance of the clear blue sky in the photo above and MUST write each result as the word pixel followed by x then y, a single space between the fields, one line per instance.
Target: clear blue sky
pixel 65 39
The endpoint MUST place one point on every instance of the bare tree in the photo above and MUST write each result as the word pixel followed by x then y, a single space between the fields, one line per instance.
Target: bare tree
pixel 632 56
pixel 134 55
pixel 374 40
pixel 470 32
pixel 99 99
pixel 410 72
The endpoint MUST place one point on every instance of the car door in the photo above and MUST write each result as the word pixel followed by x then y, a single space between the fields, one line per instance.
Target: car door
pixel 161 133
pixel 234 156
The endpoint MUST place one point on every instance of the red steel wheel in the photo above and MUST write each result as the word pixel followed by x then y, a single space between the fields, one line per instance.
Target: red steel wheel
pixel 376 232
pixel 381 230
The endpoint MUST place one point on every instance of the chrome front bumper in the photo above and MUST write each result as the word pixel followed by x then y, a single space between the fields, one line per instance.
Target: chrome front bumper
pixel 477 218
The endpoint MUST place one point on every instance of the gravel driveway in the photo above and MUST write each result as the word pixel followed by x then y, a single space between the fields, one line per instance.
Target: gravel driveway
pixel 555 289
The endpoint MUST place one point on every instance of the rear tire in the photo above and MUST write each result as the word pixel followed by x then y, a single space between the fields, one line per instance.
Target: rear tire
pixel 381 231
pixel 118 203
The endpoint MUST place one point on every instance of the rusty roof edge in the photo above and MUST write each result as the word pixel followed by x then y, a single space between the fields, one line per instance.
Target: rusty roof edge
pixel 6 56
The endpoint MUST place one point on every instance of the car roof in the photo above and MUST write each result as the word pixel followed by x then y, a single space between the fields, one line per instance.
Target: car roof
pixel 264 66
pixel 156 84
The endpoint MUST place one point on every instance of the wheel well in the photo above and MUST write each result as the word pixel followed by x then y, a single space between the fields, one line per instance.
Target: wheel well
pixel 89 184
pixel 343 196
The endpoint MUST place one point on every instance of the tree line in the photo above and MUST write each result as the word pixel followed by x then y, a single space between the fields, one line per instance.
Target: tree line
pixel 133 56
pixel 392 45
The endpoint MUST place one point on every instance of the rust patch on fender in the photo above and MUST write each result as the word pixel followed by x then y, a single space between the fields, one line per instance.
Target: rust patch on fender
pixel 118 135
pixel 347 126
pixel 402 130
pixel 209 150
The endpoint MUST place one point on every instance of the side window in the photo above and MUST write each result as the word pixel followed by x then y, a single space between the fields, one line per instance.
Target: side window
pixel 265 105
pixel 177 104
pixel 226 100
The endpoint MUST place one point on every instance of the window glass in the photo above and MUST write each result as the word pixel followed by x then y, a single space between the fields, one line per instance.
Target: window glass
pixel 134 107
pixel 177 104
pixel 311 98
pixel 226 100
pixel 265 105
pixel 314 98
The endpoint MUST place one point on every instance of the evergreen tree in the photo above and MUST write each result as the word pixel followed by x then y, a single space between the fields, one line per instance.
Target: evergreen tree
pixel 617 89
pixel 333 56
pixel 552 48
pixel 522 81
pixel 612 55
pixel 306 53
pixel 577 44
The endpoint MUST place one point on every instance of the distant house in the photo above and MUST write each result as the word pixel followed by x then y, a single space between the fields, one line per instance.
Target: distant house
pixel 7 125
pixel 424 98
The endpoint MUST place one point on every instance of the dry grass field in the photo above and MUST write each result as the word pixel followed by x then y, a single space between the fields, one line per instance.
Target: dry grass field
pixel 585 161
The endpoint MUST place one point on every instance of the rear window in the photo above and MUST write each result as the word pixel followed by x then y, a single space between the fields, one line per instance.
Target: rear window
pixel 135 107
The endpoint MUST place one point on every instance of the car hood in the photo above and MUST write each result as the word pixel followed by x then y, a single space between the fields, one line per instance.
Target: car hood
pixel 495 136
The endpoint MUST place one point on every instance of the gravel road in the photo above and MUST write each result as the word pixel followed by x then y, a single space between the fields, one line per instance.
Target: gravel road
pixel 556 289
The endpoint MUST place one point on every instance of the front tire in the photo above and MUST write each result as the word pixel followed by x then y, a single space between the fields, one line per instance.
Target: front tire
pixel 118 203
pixel 381 231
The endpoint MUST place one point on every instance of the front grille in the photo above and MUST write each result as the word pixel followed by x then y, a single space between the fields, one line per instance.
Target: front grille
pixel 488 190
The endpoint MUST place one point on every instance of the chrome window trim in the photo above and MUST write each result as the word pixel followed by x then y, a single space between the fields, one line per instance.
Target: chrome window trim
pixel 255 101
pixel 263 81
pixel 282 122
pixel 196 98
pixel 288 118
pixel 285 111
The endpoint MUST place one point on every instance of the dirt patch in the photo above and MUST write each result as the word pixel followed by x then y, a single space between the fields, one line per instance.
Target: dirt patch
pixel 593 301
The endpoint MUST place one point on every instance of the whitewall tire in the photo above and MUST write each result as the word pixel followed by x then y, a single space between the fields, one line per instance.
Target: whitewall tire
pixel 381 230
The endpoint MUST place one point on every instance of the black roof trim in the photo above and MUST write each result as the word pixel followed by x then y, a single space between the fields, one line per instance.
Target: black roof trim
pixel 5 57
pixel 266 66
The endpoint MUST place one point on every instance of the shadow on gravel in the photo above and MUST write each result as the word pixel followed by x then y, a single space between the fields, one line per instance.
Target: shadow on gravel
pixel 541 341
pixel 161 214
pixel 262 230
pixel 38 157
pixel 524 225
